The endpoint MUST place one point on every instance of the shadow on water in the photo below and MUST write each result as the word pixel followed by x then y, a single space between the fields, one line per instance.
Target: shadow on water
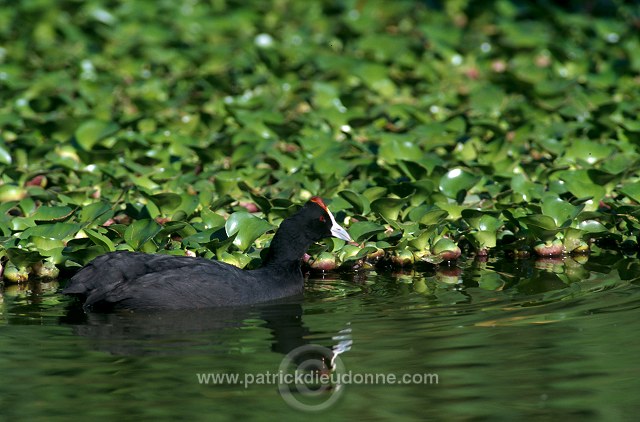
pixel 184 331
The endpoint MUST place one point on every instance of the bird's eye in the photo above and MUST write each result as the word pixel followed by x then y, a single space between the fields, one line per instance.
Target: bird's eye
pixel 322 218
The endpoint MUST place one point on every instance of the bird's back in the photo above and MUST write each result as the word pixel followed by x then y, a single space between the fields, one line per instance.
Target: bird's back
pixel 138 281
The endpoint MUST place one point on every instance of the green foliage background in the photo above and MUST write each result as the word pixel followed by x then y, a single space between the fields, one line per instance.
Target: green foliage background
pixel 150 125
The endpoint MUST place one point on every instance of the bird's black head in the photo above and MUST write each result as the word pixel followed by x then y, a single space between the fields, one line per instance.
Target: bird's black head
pixel 318 222
pixel 311 223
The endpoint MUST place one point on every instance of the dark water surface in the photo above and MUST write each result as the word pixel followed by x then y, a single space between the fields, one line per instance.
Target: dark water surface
pixel 504 340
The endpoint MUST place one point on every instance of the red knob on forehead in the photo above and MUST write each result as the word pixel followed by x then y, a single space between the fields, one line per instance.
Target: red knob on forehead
pixel 317 200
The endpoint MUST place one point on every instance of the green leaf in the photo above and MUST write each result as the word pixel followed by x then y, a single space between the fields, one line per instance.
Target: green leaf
pixel 167 202
pixel 395 148
pixel 100 239
pixel 481 221
pixel 5 156
pixel 247 228
pixel 92 131
pixel 211 219
pixel 360 203
pixel 363 230
pixel 592 226
pixel 456 182
pixel 561 211
pixel 484 239
pixel 58 231
pixel 543 221
pixel 389 208
pixel 45 213
pixel 23 258
pixel 429 217
pixel 140 232
pixel 632 190
pixel 542 226
pixel 96 214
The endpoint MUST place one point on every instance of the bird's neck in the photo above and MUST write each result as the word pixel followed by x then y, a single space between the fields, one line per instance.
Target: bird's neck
pixel 287 248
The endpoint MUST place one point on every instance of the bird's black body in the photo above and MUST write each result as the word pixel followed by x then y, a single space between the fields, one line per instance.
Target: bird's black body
pixel 134 280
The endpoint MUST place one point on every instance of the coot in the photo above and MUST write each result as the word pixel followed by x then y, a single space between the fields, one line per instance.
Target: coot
pixel 133 280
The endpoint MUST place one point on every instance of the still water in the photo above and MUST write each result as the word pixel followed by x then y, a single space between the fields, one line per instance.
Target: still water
pixel 496 340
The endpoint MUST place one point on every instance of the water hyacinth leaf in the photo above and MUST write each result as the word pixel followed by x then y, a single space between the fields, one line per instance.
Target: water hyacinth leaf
pixel 600 177
pixel 202 238
pixel 92 131
pixel 4 229
pixel 247 228
pixel 524 189
pixel 395 148
pixel 422 239
pixel 171 227
pixel 483 239
pixel 78 255
pixel 592 226
pixel 453 209
pixel 443 245
pixel 456 182
pixel 348 253
pixel 28 206
pixel 58 231
pixel 167 202
pixel 100 239
pixel 487 99
pixel 363 230
pixel 5 156
pixel 481 220
pixel 140 232
pixel 262 202
pixel 219 245
pixel 542 221
pixel 389 208
pixel 560 210
pixel 632 190
pixel 572 238
pixel 188 205
pixel 363 252
pixel 489 223
pixel 23 258
pixel 211 219
pixel 542 227
pixel 588 151
pixel 96 213
pixel 472 217
pixel 59 213
pixel 413 170
pixel 578 182
pixel 374 192
pixel 434 216
pixel 45 244
pixel 617 164
pixel 333 244
pixel 221 202
pixel 360 203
